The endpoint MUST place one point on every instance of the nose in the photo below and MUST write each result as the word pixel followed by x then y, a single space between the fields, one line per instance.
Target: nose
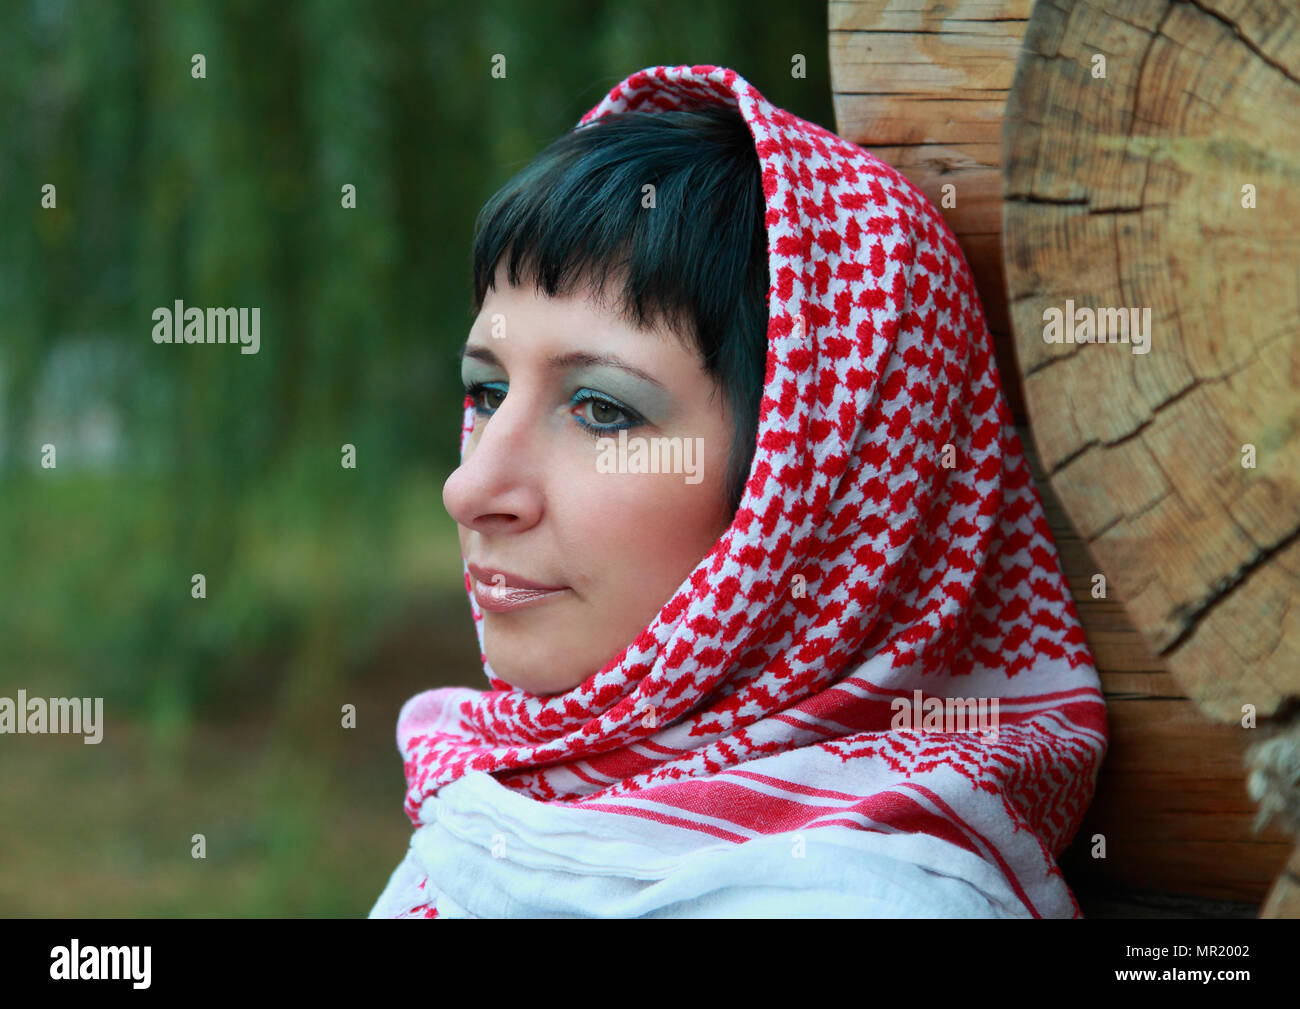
pixel 497 486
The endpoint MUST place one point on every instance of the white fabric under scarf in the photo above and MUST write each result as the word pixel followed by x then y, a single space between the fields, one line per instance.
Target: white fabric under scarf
pixel 569 862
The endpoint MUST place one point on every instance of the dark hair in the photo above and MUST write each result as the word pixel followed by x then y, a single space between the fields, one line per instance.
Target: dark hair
pixel 697 261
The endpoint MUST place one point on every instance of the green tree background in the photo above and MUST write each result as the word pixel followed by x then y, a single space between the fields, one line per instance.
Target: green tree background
pixel 325 586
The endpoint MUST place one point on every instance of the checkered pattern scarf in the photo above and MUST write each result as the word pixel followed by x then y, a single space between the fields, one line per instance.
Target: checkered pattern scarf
pixel 890 549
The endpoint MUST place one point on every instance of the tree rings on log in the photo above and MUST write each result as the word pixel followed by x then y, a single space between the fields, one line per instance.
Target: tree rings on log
pixel 1151 193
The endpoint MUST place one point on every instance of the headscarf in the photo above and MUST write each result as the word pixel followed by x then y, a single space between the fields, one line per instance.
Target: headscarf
pixel 890 549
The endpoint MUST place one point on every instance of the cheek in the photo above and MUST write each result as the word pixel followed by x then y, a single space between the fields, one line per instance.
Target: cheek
pixel 636 536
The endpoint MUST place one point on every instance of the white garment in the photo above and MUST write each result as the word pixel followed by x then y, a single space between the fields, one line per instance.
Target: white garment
pixel 558 862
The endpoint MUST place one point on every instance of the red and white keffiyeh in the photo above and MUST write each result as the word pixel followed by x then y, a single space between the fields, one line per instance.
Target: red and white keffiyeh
pixel 890 541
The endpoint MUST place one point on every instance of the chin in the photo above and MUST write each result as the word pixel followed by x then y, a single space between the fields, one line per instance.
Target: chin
pixel 535 681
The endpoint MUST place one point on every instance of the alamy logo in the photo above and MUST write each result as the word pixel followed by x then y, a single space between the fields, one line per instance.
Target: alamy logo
pixel 651 455
pixel 179 324
pixel 945 714
pixel 1103 325
pixel 75 962
pixel 70 715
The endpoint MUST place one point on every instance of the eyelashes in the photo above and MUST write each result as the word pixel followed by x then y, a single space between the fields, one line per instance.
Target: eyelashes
pixel 475 390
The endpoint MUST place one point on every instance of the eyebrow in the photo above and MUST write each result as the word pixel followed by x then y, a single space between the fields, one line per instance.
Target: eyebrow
pixel 573 359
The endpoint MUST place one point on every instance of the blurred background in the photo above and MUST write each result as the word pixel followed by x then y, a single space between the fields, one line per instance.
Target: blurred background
pixel 326 586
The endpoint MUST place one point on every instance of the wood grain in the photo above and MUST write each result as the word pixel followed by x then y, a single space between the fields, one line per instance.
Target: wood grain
pixel 1127 191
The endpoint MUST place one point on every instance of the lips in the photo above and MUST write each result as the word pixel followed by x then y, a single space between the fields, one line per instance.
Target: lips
pixel 493 578
pixel 498 592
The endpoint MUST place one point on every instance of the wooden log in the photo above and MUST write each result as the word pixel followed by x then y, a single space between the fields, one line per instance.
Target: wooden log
pixel 1150 157
pixel 924 91
pixel 1131 191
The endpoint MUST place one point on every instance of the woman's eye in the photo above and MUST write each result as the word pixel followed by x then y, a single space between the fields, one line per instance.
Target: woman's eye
pixel 600 415
pixel 603 412
pixel 478 392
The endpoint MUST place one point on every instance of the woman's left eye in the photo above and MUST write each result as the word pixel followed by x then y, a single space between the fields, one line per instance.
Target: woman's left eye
pixel 604 413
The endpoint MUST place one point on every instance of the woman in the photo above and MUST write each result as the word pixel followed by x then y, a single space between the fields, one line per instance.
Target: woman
pixel 823 662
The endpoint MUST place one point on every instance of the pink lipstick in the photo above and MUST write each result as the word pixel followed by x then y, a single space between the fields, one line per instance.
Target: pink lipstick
pixel 499 592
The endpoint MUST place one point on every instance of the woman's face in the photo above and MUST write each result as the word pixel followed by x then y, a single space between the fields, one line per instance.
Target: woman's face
pixel 538 498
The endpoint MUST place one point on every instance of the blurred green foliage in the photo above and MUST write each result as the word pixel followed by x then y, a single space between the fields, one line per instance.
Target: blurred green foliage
pixel 226 190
